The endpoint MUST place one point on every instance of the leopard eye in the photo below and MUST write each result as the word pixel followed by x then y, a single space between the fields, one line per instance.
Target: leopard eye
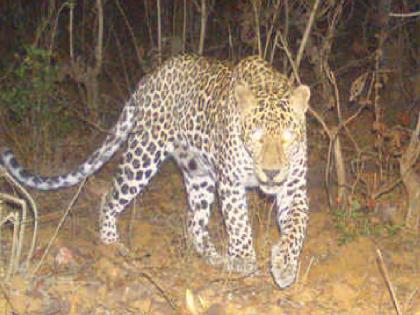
pixel 257 135
pixel 288 136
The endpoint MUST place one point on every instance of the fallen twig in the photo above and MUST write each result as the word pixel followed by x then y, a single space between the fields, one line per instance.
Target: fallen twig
pixel 388 281
pixel 133 268
pixel 308 269
pixel 7 298
pixel 60 224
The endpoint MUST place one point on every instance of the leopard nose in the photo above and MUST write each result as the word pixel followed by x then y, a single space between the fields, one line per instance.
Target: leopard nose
pixel 271 173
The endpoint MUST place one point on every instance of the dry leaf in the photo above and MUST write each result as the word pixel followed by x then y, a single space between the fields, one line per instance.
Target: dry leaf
pixel 358 86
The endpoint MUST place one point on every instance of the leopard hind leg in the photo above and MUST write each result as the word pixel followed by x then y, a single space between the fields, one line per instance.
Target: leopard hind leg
pixel 140 162
pixel 200 188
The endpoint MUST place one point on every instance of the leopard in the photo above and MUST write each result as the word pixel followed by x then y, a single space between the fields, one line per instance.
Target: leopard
pixel 230 128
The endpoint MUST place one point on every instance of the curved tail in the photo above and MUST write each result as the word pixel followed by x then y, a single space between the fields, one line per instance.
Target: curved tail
pixel 115 138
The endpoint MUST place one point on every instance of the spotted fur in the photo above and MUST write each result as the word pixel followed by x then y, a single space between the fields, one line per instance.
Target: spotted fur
pixel 229 129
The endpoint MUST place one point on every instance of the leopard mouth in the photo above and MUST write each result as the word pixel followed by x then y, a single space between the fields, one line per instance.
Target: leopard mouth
pixel 270 189
pixel 272 183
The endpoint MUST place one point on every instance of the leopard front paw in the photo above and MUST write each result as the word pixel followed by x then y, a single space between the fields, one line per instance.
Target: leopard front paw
pixel 283 267
pixel 244 265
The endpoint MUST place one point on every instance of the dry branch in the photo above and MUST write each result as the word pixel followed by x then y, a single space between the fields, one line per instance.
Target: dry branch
pixel 184 27
pixel 404 15
pixel 149 27
pixel 332 132
pixel 306 34
pixel 256 5
pixel 19 223
pixel 270 31
pixel 410 178
pixel 78 70
pixel 159 29
pixel 203 13
pixel 131 31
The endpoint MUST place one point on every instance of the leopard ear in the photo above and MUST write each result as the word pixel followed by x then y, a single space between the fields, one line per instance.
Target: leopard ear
pixel 299 99
pixel 245 99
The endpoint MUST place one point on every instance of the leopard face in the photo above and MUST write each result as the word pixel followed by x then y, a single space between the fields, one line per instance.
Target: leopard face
pixel 273 129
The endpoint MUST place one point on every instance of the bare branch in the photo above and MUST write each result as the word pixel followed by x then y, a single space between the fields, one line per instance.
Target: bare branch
pixel 71 20
pixel 289 56
pixel 404 15
pixel 159 26
pixel 270 31
pixel 184 27
pixel 306 34
pixel 203 12
pixel 130 30
pixel 99 42
pixel 256 6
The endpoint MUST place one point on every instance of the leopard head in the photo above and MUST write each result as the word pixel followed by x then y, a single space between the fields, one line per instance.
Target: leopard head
pixel 273 127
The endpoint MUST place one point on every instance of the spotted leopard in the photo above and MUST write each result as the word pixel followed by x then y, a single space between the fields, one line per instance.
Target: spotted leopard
pixel 229 128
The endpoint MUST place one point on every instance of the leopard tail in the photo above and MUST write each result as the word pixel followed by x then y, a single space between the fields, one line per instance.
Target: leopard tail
pixel 113 141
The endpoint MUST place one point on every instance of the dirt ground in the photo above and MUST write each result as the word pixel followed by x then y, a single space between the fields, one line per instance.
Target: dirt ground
pixel 81 276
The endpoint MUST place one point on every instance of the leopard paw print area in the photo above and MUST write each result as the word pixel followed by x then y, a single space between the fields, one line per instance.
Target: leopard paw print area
pixel 230 128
